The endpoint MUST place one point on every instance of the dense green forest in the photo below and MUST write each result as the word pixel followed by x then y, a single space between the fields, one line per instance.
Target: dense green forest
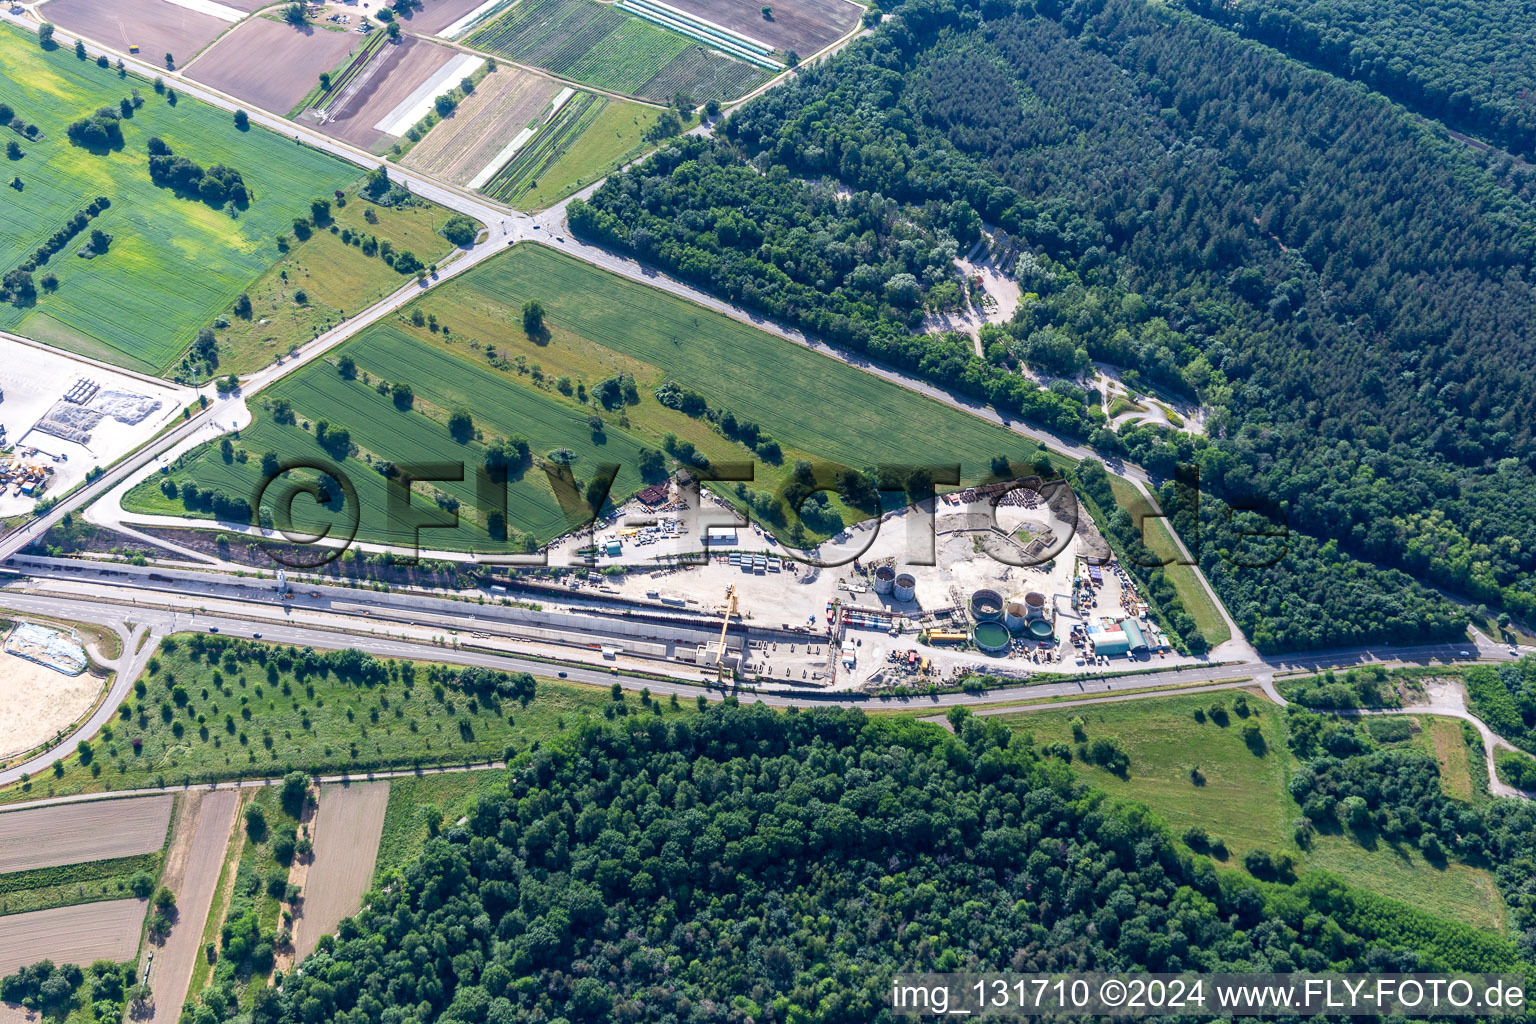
pixel 1348 295
pixel 1466 62
pixel 753 865
pixel 1504 697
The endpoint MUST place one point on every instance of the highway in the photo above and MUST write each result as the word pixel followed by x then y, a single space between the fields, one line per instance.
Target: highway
pixel 119 595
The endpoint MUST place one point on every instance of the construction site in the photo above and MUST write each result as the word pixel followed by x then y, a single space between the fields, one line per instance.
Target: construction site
pixel 1008 580
pixel 60 417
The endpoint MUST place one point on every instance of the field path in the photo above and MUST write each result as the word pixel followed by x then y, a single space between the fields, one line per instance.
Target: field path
pixel 347 828
pixel 58 835
pixel 72 935
pixel 204 834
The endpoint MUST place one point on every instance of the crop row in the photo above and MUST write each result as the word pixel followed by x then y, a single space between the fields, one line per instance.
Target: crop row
pixel 520 173
pixel 613 49
pixel 702 75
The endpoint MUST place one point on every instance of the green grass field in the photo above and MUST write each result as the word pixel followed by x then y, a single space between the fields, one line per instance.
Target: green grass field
pixel 174 263
pixel 451 795
pixel 241 720
pixel 606 47
pixel 809 402
pixel 1245 800
pixel 337 280
pixel 616 137
pixel 90 882
pixel 1197 600
pixel 599 325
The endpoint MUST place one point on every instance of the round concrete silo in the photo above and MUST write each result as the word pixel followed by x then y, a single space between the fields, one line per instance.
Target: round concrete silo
pixel 885 579
pixel 1035 602
pixel 1016 618
pixel 986 605
pixel 905 588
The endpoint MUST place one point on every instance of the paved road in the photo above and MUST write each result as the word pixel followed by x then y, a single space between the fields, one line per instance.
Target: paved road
pixel 161 612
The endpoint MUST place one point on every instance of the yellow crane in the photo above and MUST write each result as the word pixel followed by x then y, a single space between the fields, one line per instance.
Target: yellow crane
pixel 725 624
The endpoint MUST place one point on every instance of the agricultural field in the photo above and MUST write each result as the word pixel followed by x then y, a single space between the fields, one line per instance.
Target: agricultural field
pixel 245 918
pixel 503 104
pixel 420 804
pixel 136 306
pixel 192 869
pixel 80 934
pixel 435 15
pixel 1244 799
pixel 605 47
pixel 804 26
pixel 260 719
pixel 346 830
pixel 599 327
pixel 542 149
pixel 271 64
pixel 52 836
pixel 601 324
pixel 1193 594
pixel 614 138
pixel 114 878
pixel 157 27
pixel 395 92
pixel 334 275
pixel 444 380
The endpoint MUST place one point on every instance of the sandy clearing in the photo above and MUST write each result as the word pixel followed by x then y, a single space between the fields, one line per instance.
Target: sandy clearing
pixel 346 831
pixel 72 935
pixel 49 836
pixel 502 106
pixel 34 379
pixel 209 830
pixel 156 27
pixel 37 702
pixel 272 64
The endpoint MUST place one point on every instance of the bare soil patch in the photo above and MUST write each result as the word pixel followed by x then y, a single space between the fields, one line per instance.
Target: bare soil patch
pixel 204 834
pixel 38 702
pixel 437 15
pixel 460 146
pixel 154 26
pixel 346 831
pixel 76 833
pixel 72 935
pixel 804 26
pixel 408 63
pixel 271 64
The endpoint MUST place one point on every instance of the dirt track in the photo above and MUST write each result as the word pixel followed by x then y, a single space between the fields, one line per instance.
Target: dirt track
pixel 50 836
pixel 204 834
pixel 346 834
pixel 72 935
